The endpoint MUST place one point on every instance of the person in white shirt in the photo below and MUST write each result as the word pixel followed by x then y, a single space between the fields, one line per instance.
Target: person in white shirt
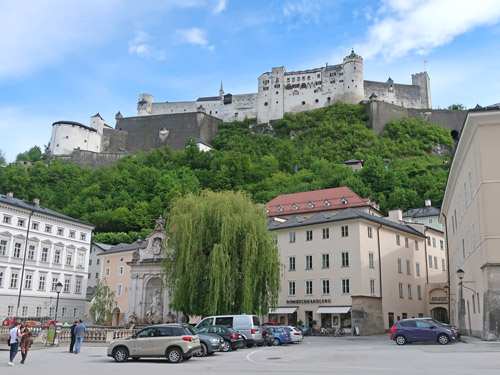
pixel 14 337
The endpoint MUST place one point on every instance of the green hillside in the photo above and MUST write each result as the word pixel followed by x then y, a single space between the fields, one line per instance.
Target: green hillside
pixel 402 167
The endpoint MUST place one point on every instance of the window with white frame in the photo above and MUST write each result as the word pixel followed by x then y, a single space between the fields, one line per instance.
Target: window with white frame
pixel 429 241
pixel 443 264
pixel 345 231
pixel 10 310
pixel 64 312
pixel 20 222
pixel 344 259
pixel 57 256
pixel 14 277
pixel 372 287
pixel 34 226
pixel 97 261
pixel 48 229
pixel 291 288
pixel 292 237
pixel 120 270
pixel 97 275
pixel 326 233
pixel 309 262
pixel 309 235
pixel 309 287
pixel 71 234
pixel 441 244
pixel 38 311
pixel 52 309
pixel 398 240
pixel 119 290
pixel 326 286
pixel 78 286
pixel 41 282
pixel 55 280
pixel 407 243
pixel 430 261
pixel 6 219
pixel 67 285
pixel 370 232
pixel 417 268
pixel 3 247
pixel 31 252
pixel 1 277
pixel 44 256
pixel 325 260
pixel 28 281
pixel 433 242
pixel 345 286
pixel 75 312
pixel 419 292
pixel 83 236
pixel 408 267
pixel 106 273
pixel 60 231
pixel 17 250
pixel 371 259
pixel 81 258
pixel 69 258
pixel 24 311
pixel 416 245
pixel 400 265
pixel 291 263
pixel 436 262
pixel 401 292
pixel 409 292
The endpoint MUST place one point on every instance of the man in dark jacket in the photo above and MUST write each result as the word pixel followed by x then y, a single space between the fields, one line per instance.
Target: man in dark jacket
pixel 72 344
pixel 79 330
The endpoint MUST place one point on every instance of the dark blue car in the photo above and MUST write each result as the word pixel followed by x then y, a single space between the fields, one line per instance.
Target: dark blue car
pixel 418 330
pixel 280 335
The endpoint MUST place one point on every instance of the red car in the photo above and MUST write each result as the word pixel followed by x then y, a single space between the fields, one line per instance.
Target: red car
pixel 51 323
pixel 271 324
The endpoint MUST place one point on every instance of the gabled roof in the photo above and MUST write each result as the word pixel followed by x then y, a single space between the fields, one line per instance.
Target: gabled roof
pixel 313 201
pixel 422 212
pixel 125 247
pixel 347 214
pixel 209 99
pixel 39 209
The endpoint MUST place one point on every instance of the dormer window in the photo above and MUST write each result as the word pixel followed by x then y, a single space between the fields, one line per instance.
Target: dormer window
pixel 279 209
pixel 294 207
pixel 326 203
pixel 310 205
pixel 343 202
pixel 267 210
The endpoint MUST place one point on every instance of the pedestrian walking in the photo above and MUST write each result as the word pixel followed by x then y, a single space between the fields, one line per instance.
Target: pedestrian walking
pixel 26 342
pixel 72 329
pixel 14 337
pixel 80 330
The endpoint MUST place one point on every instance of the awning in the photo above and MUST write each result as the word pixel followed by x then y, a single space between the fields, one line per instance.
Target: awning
pixel 333 310
pixel 282 310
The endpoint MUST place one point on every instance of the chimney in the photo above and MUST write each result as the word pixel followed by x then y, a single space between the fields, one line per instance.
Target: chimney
pixel 36 201
pixel 427 202
pixel 10 194
pixel 395 216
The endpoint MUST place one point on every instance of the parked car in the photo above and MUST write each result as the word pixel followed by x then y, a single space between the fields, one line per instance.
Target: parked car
pixel 248 325
pixel 295 333
pixel 173 341
pixel 280 335
pixel 51 323
pixel 418 330
pixel 271 324
pixel 267 335
pixel 450 327
pixel 209 342
pixel 233 340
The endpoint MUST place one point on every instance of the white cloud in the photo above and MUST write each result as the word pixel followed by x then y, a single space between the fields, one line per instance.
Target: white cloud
pixel 195 36
pixel 220 6
pixel 418 26
pixel 304 10
pixel 139 46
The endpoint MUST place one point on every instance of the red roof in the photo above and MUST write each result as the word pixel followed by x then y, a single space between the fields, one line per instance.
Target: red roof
pixel 314 201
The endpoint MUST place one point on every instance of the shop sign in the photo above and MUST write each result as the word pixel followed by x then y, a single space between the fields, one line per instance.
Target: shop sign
pixel 302 301
pixel 439 300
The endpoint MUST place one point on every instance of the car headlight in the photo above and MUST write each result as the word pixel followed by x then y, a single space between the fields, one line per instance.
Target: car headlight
pixel 214 341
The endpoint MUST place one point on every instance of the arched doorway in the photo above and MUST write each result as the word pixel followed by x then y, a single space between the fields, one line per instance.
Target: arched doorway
pixel 116 316
pixel 440 314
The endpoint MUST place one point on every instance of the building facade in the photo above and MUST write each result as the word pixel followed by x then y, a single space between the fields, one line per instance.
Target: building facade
pixel 94 274
pixel 470 212
pixel 349 268
pixel 38 249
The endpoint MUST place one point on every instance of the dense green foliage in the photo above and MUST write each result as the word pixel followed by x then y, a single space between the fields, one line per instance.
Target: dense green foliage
pixel 103 303
pixel 401 169
pixel 33 155
pixel 225 260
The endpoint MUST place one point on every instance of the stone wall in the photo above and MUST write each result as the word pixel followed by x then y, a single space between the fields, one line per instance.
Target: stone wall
pixel 367 315
pixel 90 159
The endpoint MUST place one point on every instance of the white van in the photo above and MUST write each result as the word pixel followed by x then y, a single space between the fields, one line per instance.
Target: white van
pixel 248 325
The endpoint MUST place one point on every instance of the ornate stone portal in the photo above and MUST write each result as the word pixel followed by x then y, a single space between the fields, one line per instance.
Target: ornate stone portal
pixel 150 299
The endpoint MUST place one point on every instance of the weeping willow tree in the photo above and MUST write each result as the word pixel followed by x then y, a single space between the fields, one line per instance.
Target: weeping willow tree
pixel 221 257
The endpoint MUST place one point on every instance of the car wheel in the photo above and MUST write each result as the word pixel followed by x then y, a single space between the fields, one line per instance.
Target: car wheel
pixel 226 346
pixel 203 351
pixel 276 341
pixel 400 340
pixel 174 355
pixel 443 339
pixel 120 354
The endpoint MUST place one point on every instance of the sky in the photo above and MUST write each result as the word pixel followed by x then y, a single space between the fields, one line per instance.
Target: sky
pixel 70 59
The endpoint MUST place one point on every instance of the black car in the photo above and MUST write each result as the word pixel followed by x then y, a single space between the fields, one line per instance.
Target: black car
pixel 210 343
pixel 267 336
pixel 232 338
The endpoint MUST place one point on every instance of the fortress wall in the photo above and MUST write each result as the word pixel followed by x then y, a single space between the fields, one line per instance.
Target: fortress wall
pixel 93 160
pixel 380 113
pixel 114 140
pixel 403 95
pixel 169 108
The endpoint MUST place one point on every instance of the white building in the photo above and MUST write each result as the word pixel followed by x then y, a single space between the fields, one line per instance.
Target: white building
pixel 427 215
pixel 57 250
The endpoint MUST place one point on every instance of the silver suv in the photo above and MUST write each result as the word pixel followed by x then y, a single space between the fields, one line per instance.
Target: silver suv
pixel 173 341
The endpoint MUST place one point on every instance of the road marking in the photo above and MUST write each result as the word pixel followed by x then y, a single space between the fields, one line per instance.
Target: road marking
pixel 255 351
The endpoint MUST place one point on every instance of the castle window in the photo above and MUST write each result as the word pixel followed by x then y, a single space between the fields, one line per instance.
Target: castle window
pixel 288 80
pixel 328 98
pixel 277 92
pixel 293 79
pixel 354 68
pixel 352 80
pixel 316 101
pixel 308 78
pixel 276 102
pixel 265 104
pixel 318 75
pixel 277 80
pixel 303 103
pixel 303 78
pixel 265 88
pixel 277 86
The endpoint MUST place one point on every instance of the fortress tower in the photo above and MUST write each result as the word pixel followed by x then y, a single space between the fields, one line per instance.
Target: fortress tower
pixel 422 80
pixel 353 79
pixel 145 104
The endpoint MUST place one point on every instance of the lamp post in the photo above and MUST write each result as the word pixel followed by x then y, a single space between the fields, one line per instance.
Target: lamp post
pixel 461 305
pixel 58 290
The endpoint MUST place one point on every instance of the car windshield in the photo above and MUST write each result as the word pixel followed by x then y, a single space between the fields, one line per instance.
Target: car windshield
pixel 435 322
pixel 190 330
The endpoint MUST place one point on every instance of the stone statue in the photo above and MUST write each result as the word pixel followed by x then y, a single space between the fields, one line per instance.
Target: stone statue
pixel 155 312
pixel 159 223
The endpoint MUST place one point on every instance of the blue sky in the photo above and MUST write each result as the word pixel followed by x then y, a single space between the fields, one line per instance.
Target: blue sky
pixel 68 59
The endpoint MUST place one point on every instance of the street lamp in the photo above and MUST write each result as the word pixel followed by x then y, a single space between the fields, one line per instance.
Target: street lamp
pixel 58 290
pixel 461 308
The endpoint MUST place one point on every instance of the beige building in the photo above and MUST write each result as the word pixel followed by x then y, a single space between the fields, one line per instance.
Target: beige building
pixel 470 212
pixel 349 267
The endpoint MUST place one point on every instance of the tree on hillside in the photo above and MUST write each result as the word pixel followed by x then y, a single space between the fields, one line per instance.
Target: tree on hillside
pixel 2 159
pixel 33 155
pixel 102 304
pixel 221 257
pixel 457 107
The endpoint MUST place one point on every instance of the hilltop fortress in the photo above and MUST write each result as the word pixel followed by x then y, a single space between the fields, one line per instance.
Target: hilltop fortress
pixel 279 92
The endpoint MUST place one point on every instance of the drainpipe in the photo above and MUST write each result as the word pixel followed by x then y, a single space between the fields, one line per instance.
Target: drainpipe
pixel 448 265
pixel 426 263
pixel 379 261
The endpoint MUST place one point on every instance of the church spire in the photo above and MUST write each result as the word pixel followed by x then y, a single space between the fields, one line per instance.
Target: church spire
pixel 221 90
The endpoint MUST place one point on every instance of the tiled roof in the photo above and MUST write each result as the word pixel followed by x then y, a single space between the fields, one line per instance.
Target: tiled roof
pixel 124 247
pixel 422 212
pixel 39 209
pixel 313 201
pixel 347 214
pixel 208 99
